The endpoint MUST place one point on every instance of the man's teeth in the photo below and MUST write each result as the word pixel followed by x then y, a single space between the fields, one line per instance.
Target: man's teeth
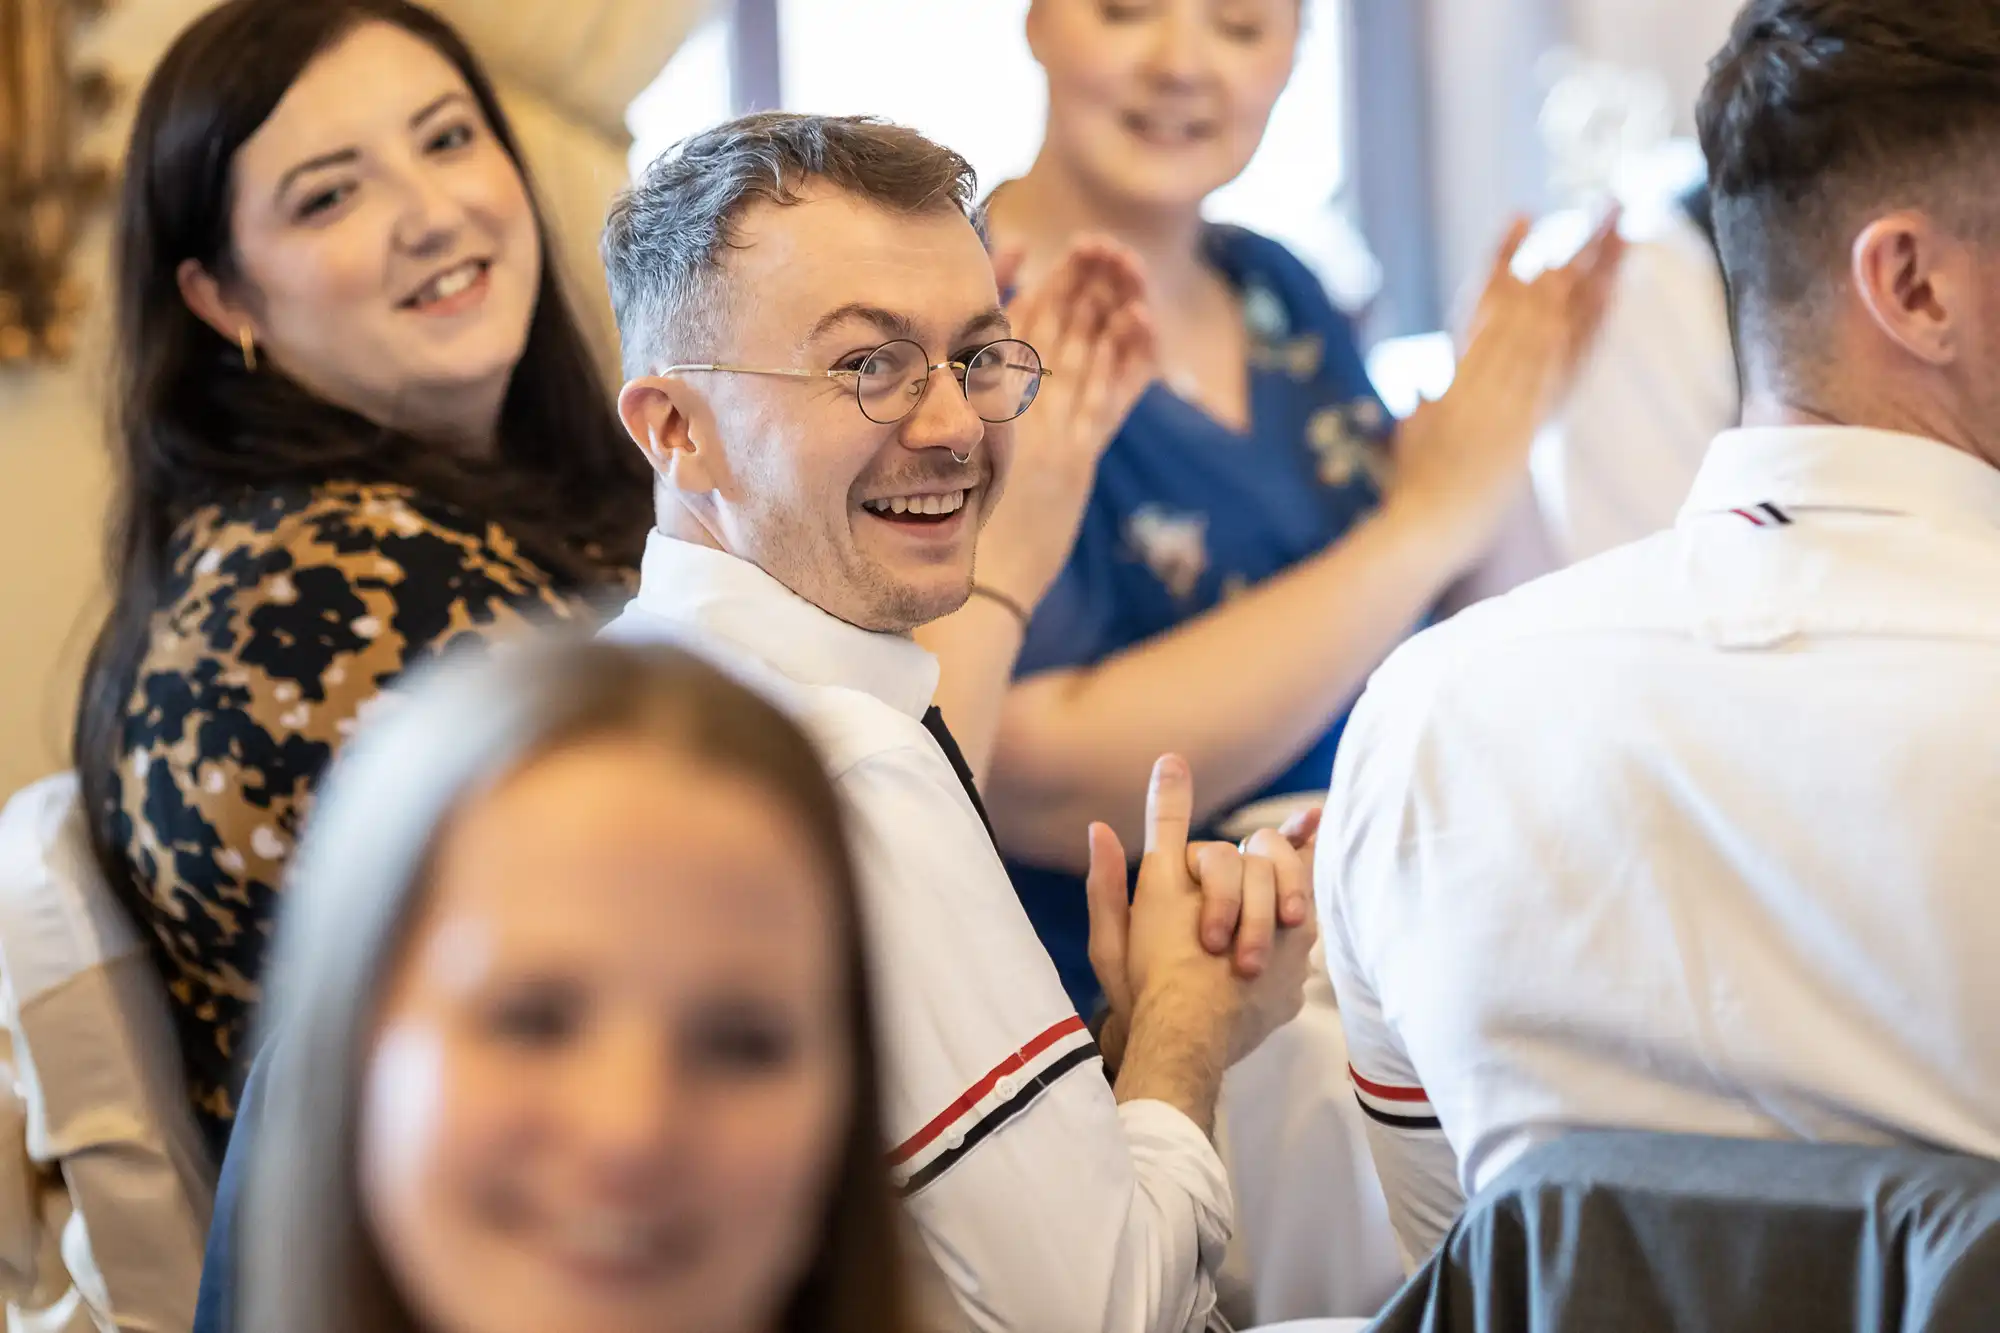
pixel 450 284
pixel 919 504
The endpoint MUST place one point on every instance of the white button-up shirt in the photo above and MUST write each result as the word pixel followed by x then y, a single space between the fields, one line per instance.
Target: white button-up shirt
pixel 1697 836
pixel 1047 1205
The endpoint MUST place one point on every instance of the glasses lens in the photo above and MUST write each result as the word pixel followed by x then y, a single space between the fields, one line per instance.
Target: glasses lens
pixel 1002 379
pixel 891 381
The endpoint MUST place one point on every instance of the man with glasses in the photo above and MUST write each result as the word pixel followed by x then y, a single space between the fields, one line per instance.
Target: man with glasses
pixel 827 386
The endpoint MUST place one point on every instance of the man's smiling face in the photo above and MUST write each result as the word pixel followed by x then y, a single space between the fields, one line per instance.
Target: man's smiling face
pixel 873 523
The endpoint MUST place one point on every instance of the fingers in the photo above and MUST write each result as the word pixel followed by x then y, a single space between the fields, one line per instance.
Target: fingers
pixel 1497 296
pixel 1257 925
pixel 1008 261
pixel 1136 363
pixel 1079 324
pixel 1603 241
pixel 1100 277
pixel 1169 808
pixel 1302 827
pixel 1123 361
pixel 1089 321
pixel 1219 869
pixel 1106 891
pixel 1115 262
pixel 1597 280
pixel 1036 305
pixel 1094 395
pixel 1592 268
pixel 1511 241
pixel 1292 886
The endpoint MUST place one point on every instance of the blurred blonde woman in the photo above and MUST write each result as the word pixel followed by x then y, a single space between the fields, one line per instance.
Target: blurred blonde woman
pixel 571 1028
pixel 1259 491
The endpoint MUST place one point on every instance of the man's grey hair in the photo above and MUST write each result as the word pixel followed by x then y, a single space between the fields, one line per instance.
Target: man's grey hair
pixel 664 242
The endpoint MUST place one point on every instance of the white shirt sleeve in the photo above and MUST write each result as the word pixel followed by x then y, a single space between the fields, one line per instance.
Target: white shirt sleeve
pixel 1357 857
pixel 1047 1207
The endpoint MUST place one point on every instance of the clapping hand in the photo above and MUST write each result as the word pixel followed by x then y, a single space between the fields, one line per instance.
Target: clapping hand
pixel 1234 923
pixel 1089 319
pixel 1463 459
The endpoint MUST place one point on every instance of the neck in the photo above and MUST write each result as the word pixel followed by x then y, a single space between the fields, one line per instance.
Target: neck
pixel 676 520
pixel 1931 417
pixel 1049 206
pixel 464 420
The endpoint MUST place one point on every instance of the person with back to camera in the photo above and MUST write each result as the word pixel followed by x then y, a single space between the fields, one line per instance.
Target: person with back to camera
pixel 571 1026
pixel 827 452
pixel 1697 836
pixel 358 423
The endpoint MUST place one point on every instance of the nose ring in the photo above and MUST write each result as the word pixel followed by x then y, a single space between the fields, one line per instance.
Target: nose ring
pixel 961 459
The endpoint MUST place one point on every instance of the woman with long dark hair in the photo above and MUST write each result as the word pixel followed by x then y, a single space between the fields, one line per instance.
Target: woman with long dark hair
pixel 358 422
pixel 570 1023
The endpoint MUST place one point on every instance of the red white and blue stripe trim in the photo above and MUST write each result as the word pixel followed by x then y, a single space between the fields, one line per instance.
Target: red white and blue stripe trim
pixel 1765 515
pixel 1006 1090
pixel 1397 1105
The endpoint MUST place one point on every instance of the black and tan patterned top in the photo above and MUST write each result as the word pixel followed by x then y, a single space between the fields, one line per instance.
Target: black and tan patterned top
pixel 286 612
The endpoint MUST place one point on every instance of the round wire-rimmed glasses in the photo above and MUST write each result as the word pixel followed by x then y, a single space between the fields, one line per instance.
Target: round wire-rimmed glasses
pixel 999 380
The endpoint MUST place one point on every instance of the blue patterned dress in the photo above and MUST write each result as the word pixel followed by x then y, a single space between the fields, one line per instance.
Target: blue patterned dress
pixel 1188 513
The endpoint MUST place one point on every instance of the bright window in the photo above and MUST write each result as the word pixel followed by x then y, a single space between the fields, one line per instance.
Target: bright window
pixel 692 93
pixel 960 71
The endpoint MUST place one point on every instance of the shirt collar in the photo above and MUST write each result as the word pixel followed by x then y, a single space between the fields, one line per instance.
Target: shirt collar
pixel 1844 467
pixel 724 598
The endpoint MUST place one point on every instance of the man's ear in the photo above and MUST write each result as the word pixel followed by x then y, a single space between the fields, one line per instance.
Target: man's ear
pixel 213 306
pixel 657 415
pixel 1913 280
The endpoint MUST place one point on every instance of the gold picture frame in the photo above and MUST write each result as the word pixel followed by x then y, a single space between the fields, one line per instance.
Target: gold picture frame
pixel 46 184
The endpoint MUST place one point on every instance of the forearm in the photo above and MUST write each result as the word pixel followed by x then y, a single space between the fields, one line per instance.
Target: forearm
pixel 1175 1054
pixel 976 647
pixel 1239 692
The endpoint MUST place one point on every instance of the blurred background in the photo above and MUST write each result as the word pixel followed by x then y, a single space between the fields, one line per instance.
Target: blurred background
pixel 1411 131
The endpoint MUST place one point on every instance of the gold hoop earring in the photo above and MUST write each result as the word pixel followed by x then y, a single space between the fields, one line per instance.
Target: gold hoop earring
pixel 248 343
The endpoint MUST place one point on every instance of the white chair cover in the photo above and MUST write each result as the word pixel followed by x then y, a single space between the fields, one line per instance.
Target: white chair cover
pixel 105 1186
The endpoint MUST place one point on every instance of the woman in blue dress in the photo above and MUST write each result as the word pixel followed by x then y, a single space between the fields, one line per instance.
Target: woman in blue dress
pixel 1262 531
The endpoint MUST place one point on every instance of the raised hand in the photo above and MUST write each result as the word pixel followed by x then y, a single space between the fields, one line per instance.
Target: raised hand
pixel 1461 461
pixel 1089 319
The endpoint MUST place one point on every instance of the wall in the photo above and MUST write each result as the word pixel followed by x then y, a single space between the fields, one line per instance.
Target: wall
pixel 53 483
pixel 1487 162
pixel 54 473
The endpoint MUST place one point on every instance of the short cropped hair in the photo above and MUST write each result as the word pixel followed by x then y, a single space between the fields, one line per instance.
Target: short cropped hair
pixel 663 245
pixel 1822 114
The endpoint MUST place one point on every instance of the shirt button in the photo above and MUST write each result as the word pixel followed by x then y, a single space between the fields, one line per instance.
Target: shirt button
pixel 954 1141
pixel 1006 1087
